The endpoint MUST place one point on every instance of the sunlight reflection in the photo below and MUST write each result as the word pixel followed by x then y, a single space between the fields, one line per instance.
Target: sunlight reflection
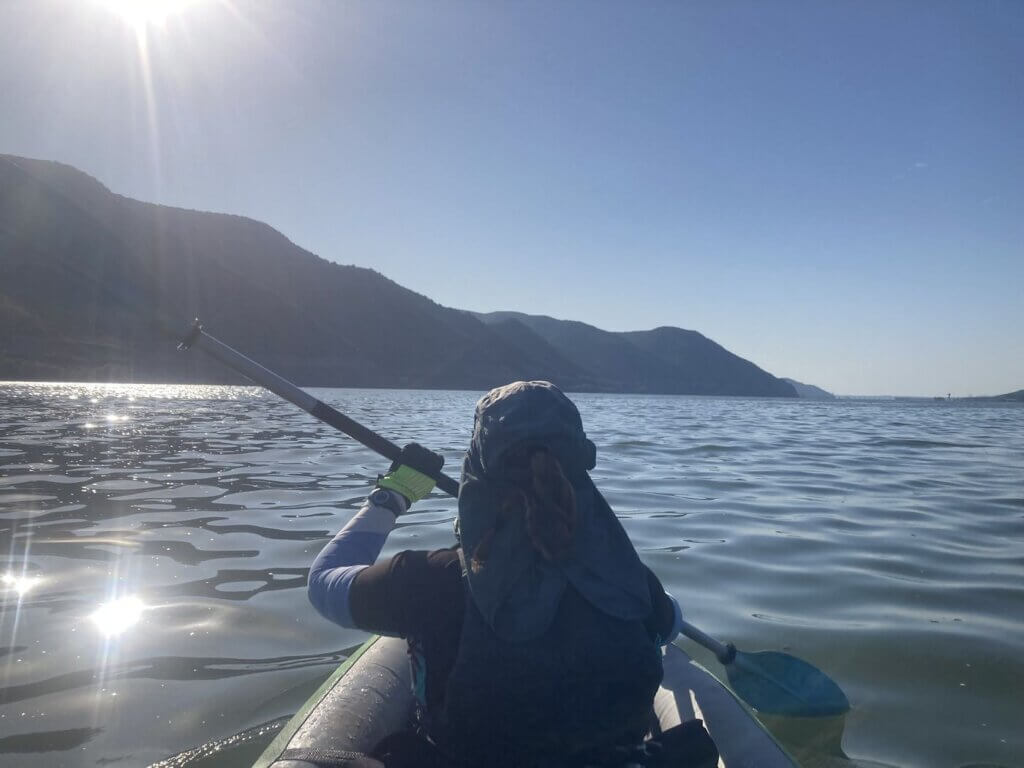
pixel 97 393
pixel 115 617
pixel 19 584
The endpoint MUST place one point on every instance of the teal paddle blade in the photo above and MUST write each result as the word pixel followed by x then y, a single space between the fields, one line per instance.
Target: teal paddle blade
pixel 779 684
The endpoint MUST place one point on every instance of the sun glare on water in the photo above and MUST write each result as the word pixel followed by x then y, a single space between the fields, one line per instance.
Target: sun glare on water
pixel 20 585
pixel 142 13
pixel 115 617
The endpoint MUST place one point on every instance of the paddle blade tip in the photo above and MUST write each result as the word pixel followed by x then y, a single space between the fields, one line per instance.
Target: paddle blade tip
pixel 780 684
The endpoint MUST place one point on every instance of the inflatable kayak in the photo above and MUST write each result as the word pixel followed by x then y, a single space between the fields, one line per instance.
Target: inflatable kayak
pixel 369 697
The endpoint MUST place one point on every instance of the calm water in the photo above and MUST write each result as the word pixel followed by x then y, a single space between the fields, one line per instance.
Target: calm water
pixel 881 541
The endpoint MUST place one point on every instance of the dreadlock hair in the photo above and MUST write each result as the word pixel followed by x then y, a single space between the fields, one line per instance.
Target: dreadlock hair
pixel 535 487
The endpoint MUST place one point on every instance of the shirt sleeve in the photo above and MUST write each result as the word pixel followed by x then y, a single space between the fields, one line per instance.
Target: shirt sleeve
pixel 666 619
pixel 355 547
pixel 408 593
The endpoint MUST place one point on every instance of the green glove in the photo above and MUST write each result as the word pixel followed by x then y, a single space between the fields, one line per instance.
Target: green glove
pixel 412 474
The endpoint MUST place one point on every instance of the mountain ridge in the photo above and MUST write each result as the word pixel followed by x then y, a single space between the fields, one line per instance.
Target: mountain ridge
pixel 663 360
pixel 84 271
pixel 809 391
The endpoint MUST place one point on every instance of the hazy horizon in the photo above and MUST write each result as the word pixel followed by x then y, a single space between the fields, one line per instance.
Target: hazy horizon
pixel 830 191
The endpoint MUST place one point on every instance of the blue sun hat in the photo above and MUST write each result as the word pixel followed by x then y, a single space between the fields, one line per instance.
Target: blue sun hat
pixel 518 591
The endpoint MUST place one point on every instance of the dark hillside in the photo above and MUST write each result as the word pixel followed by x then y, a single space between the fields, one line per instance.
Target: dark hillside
pixel 97 287
pixel 86 272
pixel 809 391
pixel 664 361
pixel 1017 397
pixel 706 368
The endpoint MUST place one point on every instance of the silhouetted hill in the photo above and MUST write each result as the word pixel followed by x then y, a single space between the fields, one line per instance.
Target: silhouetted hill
pixel 96 286
pixel 664 360
pixel 809 391
pixel 1010 397
pixel 86 272
pixel 1017 397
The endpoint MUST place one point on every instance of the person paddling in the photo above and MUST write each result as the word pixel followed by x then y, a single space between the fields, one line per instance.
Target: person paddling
pixel 535 641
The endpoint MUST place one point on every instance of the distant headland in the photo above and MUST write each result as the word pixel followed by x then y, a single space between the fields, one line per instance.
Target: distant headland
pixel 1013 397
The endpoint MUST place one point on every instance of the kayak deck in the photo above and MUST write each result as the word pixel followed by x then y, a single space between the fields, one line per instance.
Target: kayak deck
pixel 370 696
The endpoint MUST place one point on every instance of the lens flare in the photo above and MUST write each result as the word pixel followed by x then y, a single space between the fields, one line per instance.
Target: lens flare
pixel 115 617
pixel 140 13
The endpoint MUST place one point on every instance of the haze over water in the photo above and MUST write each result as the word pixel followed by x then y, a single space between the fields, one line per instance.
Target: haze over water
pixel 155 542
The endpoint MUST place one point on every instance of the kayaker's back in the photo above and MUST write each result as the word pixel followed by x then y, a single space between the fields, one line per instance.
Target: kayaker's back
pixel 585 684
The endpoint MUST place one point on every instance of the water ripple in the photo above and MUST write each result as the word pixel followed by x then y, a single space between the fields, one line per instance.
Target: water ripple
pixel 880 541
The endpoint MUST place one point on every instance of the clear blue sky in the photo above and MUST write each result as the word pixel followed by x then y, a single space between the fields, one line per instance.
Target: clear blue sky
pixel 834 190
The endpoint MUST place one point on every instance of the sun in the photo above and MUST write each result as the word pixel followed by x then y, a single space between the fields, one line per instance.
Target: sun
pixel 142 13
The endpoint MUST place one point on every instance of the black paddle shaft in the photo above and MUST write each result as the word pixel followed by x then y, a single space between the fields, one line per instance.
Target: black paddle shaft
pixel 197 337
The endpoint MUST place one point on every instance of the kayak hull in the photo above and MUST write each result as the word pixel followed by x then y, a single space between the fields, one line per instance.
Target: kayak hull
pixel 370 696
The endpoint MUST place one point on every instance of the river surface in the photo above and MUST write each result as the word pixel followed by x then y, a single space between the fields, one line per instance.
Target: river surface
pixel 154 544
